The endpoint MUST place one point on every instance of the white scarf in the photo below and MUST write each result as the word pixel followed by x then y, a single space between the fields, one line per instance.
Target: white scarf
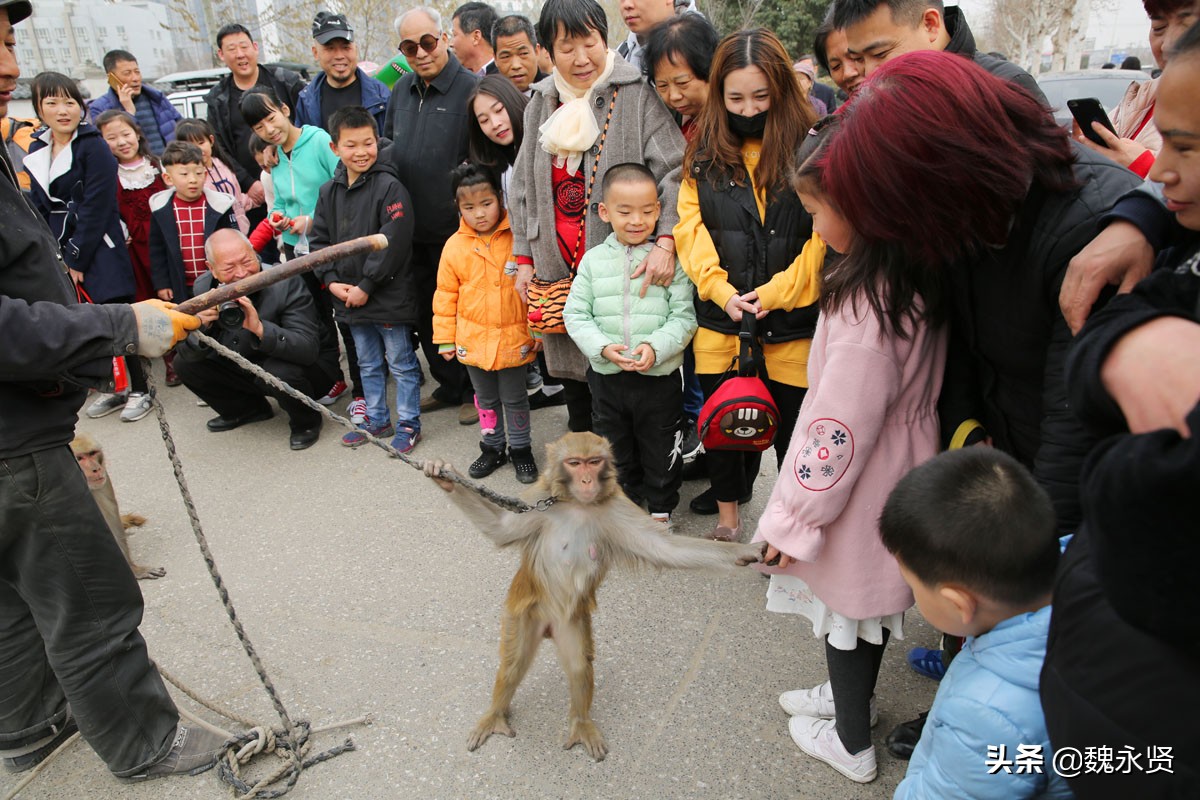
pixel 572 128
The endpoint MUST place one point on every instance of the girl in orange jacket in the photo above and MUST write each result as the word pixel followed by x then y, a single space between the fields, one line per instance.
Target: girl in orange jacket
pixel 479 318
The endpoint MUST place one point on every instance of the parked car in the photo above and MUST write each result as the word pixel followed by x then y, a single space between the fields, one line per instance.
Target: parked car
pixel 1106 85
pixel 186 90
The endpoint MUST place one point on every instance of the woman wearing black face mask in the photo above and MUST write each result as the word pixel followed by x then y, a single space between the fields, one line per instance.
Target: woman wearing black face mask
pixel 740 234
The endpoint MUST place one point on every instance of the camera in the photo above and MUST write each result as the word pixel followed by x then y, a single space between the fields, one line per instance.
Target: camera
pixel 230 315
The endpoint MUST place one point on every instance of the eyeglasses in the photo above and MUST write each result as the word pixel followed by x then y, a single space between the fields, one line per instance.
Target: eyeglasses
pixel 428 43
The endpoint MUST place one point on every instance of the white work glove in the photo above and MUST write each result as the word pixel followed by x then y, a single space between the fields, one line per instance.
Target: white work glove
pixel 159 328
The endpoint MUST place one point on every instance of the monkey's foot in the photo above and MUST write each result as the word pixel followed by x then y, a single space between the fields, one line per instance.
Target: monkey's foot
pixel 585 732
pixel 491 723
pixel 148 573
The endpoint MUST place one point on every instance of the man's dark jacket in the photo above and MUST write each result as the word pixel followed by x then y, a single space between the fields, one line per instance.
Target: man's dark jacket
pixel 1124 645
pixel 52 349
pixel 291 329
pixel 374 99
pixel 376 203
pixel 165 114
pixel 287 86
pixel 428 128
pixel 1009 341
pixel 962 41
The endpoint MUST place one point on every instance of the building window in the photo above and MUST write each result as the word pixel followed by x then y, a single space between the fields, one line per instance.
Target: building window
pixel 120 30
pixel 66 54
pixel 60 33
pixel 81 34
pixel 43 34
pixel 103 33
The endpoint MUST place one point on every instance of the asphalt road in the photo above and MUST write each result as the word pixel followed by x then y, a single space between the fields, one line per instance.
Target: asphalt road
pixel 366 593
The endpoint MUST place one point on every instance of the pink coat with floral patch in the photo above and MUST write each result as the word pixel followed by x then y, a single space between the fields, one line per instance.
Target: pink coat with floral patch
pixel 869 417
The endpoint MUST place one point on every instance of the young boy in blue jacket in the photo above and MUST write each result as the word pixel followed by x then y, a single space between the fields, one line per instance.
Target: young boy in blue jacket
pixel 975 538
pixel 633 335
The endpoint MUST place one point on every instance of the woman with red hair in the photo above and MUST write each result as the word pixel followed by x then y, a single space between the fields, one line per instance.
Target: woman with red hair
pixel 969 175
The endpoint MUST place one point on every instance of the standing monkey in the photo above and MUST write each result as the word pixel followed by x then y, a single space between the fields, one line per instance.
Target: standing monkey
pixel 91 460
pixel 566 551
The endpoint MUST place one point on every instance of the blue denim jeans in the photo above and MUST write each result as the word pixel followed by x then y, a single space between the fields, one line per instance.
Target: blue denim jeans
pixel 393 342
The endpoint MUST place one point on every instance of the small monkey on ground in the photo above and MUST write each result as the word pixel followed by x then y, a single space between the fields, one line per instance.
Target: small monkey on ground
pixel 90 456
pixel 566 550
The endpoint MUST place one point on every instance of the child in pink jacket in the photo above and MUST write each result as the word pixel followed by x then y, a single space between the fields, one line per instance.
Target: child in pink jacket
pixel 875 372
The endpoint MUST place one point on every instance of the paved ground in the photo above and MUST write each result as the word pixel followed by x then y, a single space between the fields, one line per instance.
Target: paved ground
pixel 366 593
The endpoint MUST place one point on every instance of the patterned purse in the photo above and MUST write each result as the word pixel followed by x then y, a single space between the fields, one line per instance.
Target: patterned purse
pixel 547 299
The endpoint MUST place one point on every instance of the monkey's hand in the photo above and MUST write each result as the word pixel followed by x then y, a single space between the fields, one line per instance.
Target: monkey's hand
pixel 750 553
pixel 435 469
pixel 159 328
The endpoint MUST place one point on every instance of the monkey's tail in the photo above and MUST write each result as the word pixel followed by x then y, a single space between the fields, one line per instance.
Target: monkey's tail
pixel 132 521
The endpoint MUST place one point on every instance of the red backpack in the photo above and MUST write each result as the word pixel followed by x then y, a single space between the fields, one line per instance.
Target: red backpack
pixel 741 414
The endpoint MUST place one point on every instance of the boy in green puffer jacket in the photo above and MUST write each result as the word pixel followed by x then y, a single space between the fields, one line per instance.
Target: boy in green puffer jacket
pixel 634 336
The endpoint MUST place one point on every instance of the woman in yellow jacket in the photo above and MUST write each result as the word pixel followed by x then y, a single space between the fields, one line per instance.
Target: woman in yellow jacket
pixel 479 318
pixel 741 239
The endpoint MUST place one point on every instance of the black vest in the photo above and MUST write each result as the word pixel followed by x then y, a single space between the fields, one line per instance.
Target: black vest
pixel 752 251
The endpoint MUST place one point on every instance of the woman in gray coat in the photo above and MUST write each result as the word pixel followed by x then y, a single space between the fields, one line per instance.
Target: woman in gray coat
pixel 594 111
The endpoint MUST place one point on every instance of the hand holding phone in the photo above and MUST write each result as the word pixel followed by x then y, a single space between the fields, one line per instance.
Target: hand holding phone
pixel 1087 110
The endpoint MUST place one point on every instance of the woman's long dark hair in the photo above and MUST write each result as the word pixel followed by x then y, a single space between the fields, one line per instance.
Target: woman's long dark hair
pixel 790 117
pixel 480 148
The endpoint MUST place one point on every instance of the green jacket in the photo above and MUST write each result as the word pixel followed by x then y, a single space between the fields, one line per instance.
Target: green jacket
pixel 604 308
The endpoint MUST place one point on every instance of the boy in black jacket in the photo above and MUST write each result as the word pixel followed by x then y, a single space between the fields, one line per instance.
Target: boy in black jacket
pixel 181 220
pixel 374 294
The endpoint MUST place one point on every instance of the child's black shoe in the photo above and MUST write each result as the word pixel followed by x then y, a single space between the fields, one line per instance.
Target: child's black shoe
pixel 490 459
pixel 523 463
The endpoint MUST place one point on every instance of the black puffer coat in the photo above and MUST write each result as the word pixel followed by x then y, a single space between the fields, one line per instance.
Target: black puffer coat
pixel 752 251
pixel 1009 340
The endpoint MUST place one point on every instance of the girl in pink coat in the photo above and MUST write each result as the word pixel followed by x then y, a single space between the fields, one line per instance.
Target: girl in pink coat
pixel 870 415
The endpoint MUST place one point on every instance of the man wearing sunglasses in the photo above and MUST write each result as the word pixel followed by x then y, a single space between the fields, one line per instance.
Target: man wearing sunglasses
pixel 427 123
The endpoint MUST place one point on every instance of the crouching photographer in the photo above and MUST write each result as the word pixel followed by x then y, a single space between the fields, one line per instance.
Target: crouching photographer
pixel 276 327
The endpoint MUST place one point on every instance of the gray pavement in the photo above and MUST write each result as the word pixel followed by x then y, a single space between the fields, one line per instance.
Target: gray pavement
pixel 365 592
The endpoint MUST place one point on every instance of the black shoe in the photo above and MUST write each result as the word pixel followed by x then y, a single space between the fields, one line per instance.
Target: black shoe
pixel 488 462
pixel 30 760
pixel 904 737
pixel 705 503
pixel 540 399
pixel 305 437
pixel 219 424
pixel 523 463
pixel 695 469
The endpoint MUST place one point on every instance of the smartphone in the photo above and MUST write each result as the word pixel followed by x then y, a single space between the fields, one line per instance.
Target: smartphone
pixel 114 82
pixel 1087 110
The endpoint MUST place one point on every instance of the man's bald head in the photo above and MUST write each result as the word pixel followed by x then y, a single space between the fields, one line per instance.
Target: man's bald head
pixel 230 255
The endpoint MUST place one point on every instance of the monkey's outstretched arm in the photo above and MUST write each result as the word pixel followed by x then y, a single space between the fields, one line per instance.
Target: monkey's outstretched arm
pixel 634 537
pixel 502 527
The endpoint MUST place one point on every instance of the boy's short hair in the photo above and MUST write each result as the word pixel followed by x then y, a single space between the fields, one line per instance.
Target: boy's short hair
pixel 178 152
pixel 976 517
pixel 351 117
pixel 257 144
pixel 471 174
pixel 629 172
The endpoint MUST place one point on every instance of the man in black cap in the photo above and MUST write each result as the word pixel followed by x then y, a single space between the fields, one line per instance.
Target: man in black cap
pixel 341 83
pixel 71 656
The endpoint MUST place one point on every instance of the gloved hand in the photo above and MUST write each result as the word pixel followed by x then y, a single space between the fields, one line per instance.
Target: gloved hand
pixel 160 328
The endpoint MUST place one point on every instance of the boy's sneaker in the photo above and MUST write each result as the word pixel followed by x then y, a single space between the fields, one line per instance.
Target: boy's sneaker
pixel 137 406
pixel 359 438
pixel 406 439
pixel 904 737
pixel 490 460
pixel 819 738
pixel 523 463
pixel 357 410
pixel 691 442
pixel 927 662
pixel 547 396
pixel 661 516
pixel 104 405
pixel 337 390
pixel 816 702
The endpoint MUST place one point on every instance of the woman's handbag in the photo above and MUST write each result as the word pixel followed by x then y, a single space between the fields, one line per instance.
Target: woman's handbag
pixel 741 414
pixel 548 298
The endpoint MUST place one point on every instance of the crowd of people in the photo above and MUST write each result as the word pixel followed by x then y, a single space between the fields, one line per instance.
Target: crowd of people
pixel 908 263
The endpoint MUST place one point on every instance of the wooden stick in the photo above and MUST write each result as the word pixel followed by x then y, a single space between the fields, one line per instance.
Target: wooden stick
pixel 297 266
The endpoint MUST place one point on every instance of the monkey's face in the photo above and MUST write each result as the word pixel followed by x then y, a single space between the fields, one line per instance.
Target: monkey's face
pixel 586 476
pixel 91 463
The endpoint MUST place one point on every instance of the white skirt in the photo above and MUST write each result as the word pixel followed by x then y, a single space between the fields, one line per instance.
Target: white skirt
pixel 787 594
